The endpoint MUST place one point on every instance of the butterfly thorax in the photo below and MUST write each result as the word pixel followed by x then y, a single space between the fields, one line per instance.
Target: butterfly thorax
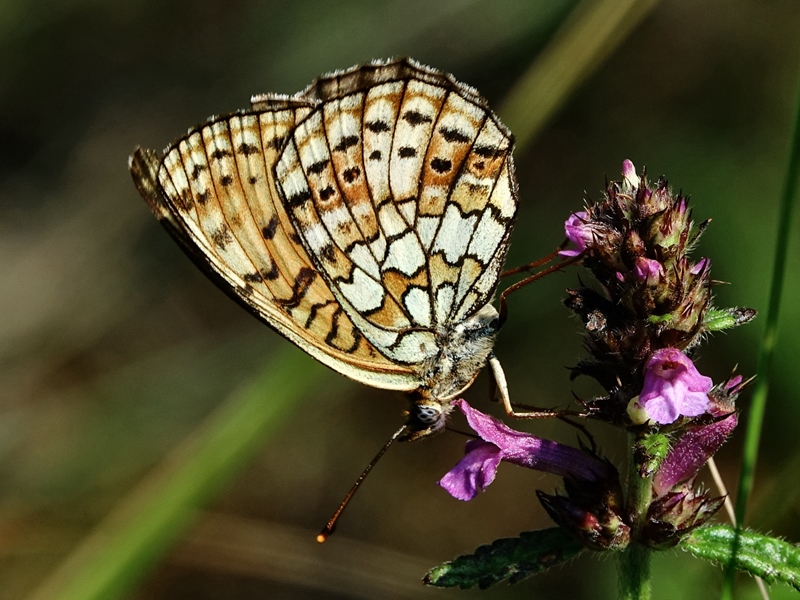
pixel 464 348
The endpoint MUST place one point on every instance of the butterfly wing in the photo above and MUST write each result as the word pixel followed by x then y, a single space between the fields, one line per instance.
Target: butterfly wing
pixel 401 186
pixel 214 191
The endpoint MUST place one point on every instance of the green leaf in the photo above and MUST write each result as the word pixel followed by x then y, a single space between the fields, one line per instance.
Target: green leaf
pixel 718 319
pixel 511 558
pixel 767 557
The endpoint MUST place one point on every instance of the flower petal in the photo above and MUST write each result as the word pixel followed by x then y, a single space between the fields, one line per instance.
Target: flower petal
pixel 578 232
pixel 474 472
pixel 673 387
pixel 691 452
pixel 527 450
pixel 648 270
pixel 510 441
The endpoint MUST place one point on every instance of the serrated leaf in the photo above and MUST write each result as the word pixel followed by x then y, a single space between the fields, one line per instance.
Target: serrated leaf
pixel 719 319
pixel 511 559
pixel 771 559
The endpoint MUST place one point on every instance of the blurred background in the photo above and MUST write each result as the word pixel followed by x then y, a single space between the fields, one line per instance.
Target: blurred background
pixel 114 349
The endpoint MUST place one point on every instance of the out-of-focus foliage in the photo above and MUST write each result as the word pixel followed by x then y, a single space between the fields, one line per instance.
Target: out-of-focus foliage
pixel 113 348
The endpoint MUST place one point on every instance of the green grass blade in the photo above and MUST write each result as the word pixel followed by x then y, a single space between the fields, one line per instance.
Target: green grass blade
pixel 111 559
pixel 755 414
pixel 591 33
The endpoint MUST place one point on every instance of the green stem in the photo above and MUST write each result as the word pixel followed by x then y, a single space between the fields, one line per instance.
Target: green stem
pixel 634 562
pixel 766 354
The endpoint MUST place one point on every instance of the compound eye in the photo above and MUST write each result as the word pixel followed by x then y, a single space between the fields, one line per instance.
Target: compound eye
pixel 427 414
pixel 425 418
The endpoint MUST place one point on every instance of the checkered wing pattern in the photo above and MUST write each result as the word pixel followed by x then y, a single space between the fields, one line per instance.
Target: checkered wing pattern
pixel 400 185
pixel 214 190
pixel 366 219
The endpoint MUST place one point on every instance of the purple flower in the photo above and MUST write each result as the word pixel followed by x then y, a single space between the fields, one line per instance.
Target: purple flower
pixel 673 387
pixel 691 452
pixel 648 270
pixel 578 232
pixel 501 443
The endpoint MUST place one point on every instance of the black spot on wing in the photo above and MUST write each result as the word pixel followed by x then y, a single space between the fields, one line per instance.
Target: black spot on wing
pixel 487 151
pixel 383 202
pixel 185 200
pixel 454 135
pixel 351 174
pixel 247 149
pixel 318 167
pixel 476 187
pixel 441 165
pixel 299 198
pixel 326 192
pixel 269 231
pixel 203 197
pixel 252 179
pixel 226 180
pixel 406 152
pixel 276 143
pixel 414 118
pixel 378 126
pixel 375 155
pixel 253 277
pixel 327 252
pixel 222 237
pixel 333 332
pixel 269 272
pixel 220 153
pixel 346 142
pixel 196 170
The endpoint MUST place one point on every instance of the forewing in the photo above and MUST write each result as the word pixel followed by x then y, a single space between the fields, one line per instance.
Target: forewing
pixel 401 187
pixel 214 190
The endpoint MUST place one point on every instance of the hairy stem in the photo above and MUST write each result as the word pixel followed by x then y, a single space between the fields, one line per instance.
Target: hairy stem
pixel 634 562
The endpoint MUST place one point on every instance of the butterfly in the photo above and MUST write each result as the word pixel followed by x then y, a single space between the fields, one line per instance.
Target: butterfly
pixel 366 219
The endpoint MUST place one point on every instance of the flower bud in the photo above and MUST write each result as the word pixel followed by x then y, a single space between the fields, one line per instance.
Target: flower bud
pixel 591 513
pixel 676 514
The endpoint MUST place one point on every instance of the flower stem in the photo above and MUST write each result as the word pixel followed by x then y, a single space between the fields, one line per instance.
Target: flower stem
pixel 633 563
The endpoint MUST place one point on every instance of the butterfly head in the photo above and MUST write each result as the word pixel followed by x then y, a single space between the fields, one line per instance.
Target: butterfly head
pixel 427 416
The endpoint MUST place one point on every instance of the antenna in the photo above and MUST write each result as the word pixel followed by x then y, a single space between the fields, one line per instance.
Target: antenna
pixel 327 531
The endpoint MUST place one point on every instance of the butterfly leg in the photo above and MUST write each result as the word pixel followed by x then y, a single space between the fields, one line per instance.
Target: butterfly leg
pixel 502 391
